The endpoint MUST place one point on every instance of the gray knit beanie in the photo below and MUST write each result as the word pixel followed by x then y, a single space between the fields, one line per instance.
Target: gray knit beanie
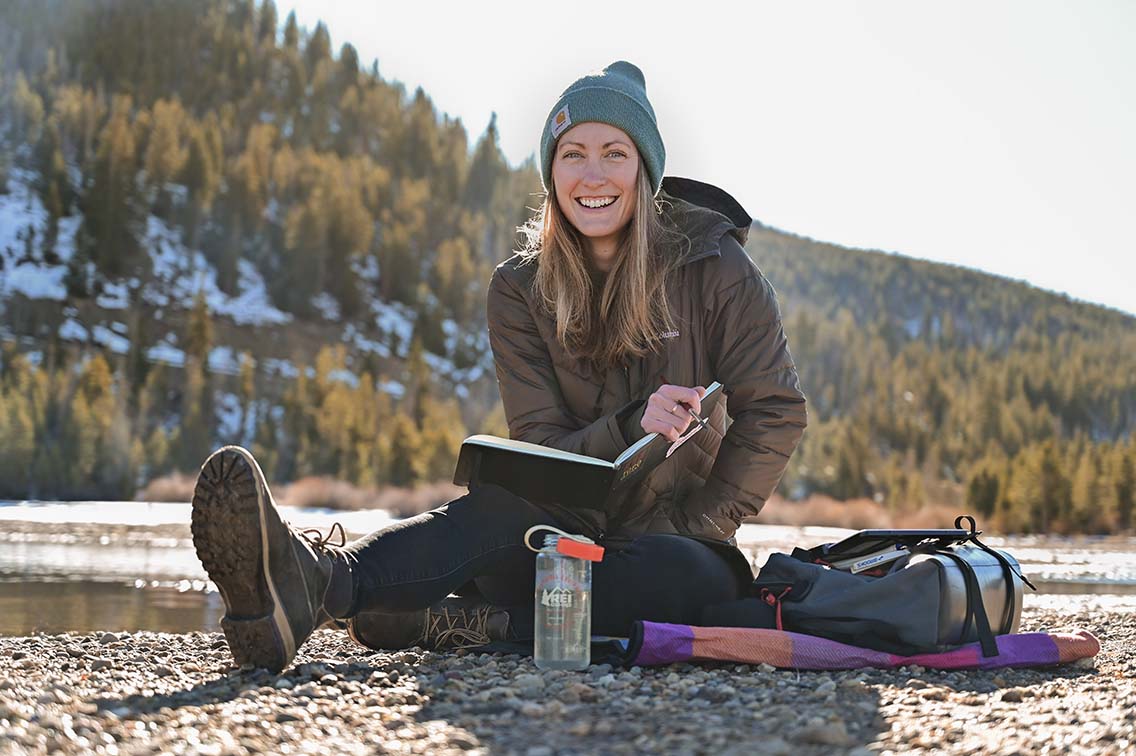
pixel 616 96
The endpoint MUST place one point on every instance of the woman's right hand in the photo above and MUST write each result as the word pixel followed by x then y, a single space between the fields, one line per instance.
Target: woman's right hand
pixel 665 412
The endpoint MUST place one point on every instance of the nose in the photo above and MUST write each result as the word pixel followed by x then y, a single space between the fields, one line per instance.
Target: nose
pixel 593 173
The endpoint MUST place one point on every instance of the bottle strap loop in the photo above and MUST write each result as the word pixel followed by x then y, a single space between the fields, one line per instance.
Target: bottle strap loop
pixel 552 529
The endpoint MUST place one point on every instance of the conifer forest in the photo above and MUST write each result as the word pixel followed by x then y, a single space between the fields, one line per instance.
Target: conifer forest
pixel 215 228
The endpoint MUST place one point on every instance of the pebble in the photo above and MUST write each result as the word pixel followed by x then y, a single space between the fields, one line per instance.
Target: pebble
pixel 346 699
pixel 824 732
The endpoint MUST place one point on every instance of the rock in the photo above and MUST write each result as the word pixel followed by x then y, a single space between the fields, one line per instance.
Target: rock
pixel 283 684
pixel 76 652
pixel 529 686
pixel 97 664
pixel 826 687
pixel 532 709
pixel 824 732
pixel 1014 695
pixel 766 668
pixel 163 670
pixel 106 638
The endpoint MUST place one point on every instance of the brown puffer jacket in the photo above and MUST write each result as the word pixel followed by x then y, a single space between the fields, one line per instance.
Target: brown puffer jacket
pixel 729 329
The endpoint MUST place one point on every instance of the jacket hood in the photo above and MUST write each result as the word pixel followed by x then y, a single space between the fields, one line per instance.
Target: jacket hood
pixel 705 213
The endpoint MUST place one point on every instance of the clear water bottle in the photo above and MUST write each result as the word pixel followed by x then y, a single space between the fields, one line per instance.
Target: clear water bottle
pixel 564 602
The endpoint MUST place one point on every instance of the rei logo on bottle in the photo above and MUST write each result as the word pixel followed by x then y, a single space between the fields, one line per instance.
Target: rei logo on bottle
pixel 557 597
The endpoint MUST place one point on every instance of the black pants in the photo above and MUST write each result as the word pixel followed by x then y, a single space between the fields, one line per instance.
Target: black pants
pixel 476 542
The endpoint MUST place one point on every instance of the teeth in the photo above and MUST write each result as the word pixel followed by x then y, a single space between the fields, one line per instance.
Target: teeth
pixel 594 203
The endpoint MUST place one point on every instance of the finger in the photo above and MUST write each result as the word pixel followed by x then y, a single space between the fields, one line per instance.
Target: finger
pixel 662 429
pixel 665 404
pixel 682 395
pixel 670 425
pixel 671 413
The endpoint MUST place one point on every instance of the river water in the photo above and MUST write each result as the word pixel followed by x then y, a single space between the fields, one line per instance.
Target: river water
pixel 83 566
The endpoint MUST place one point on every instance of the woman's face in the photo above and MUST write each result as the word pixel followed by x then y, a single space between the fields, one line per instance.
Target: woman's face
pixel 594 170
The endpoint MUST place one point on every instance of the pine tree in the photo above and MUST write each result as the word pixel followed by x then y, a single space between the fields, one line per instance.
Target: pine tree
pixel 196 432
pixel 27 107
pixel 53 183
pixel 348 67
pixel 201 177
pixel 111 219
pixel 291 32
pixel 318 48
pixel 247 397
pixel 165 152
pixel 266 28
pixel 487 169
pixel 1125 486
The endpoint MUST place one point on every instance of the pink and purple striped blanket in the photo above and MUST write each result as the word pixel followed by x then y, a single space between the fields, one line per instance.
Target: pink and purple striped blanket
pixel 664 644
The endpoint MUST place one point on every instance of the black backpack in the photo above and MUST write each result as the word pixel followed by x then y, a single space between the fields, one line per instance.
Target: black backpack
pixel 943 592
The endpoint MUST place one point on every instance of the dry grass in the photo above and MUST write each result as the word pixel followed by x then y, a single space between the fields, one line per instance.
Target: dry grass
pixel 856 514
pixel 320 492
pixel 337 494
pixel 329 493
pixel 176 487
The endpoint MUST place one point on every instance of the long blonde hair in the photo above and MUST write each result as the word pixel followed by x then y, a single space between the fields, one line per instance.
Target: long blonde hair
pixel 629 314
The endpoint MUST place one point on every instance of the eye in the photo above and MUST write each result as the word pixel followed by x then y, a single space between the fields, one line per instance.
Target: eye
pixel 571 153
pixel 617 153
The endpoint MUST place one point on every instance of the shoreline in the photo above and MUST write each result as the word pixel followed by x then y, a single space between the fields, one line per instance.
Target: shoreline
pixel 126 693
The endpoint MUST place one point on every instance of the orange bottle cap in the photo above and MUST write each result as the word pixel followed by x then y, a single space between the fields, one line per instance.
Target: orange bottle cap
pixel 573 548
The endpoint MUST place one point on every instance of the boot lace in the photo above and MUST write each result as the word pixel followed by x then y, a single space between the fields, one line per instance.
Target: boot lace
pixel 323 542
pixel 456 628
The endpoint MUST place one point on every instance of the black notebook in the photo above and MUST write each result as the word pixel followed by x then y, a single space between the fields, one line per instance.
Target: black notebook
pixel 543 474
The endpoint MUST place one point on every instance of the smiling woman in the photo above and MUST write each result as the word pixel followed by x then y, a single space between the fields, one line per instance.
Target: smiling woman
pixel 624 278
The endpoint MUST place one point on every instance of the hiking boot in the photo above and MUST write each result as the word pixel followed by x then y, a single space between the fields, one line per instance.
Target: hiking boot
pixel 452 623
pixel 277 583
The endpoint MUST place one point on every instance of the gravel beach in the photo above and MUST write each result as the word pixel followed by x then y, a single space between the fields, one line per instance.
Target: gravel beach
pixel 135 693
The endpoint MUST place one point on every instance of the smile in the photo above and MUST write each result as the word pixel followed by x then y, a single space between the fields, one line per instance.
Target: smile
pixel 596 202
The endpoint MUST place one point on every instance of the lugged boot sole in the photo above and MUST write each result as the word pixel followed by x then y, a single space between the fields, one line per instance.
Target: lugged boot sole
pixel 230 537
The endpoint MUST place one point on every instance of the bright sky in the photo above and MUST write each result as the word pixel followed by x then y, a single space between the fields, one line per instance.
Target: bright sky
pixel 995 135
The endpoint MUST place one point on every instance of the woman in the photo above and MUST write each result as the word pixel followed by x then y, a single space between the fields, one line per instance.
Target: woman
pixel 632 295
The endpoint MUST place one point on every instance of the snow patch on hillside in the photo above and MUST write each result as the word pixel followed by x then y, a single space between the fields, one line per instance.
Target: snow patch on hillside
pixel 167 354
pixel 183 272
pixel 395 319
pixel 109 339
pixel 116 296
pixel 361 343
pixel 23 221
pixel 223 359
pixel 73 330
pixel 327 306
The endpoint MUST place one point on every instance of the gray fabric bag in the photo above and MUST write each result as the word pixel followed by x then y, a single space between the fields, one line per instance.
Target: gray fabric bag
pixel 932 600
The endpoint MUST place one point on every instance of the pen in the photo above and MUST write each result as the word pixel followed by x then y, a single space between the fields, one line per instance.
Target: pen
pixel 701 421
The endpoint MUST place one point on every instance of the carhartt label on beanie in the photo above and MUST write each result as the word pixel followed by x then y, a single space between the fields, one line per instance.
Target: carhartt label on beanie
pixel 617 96
pixel 560 122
